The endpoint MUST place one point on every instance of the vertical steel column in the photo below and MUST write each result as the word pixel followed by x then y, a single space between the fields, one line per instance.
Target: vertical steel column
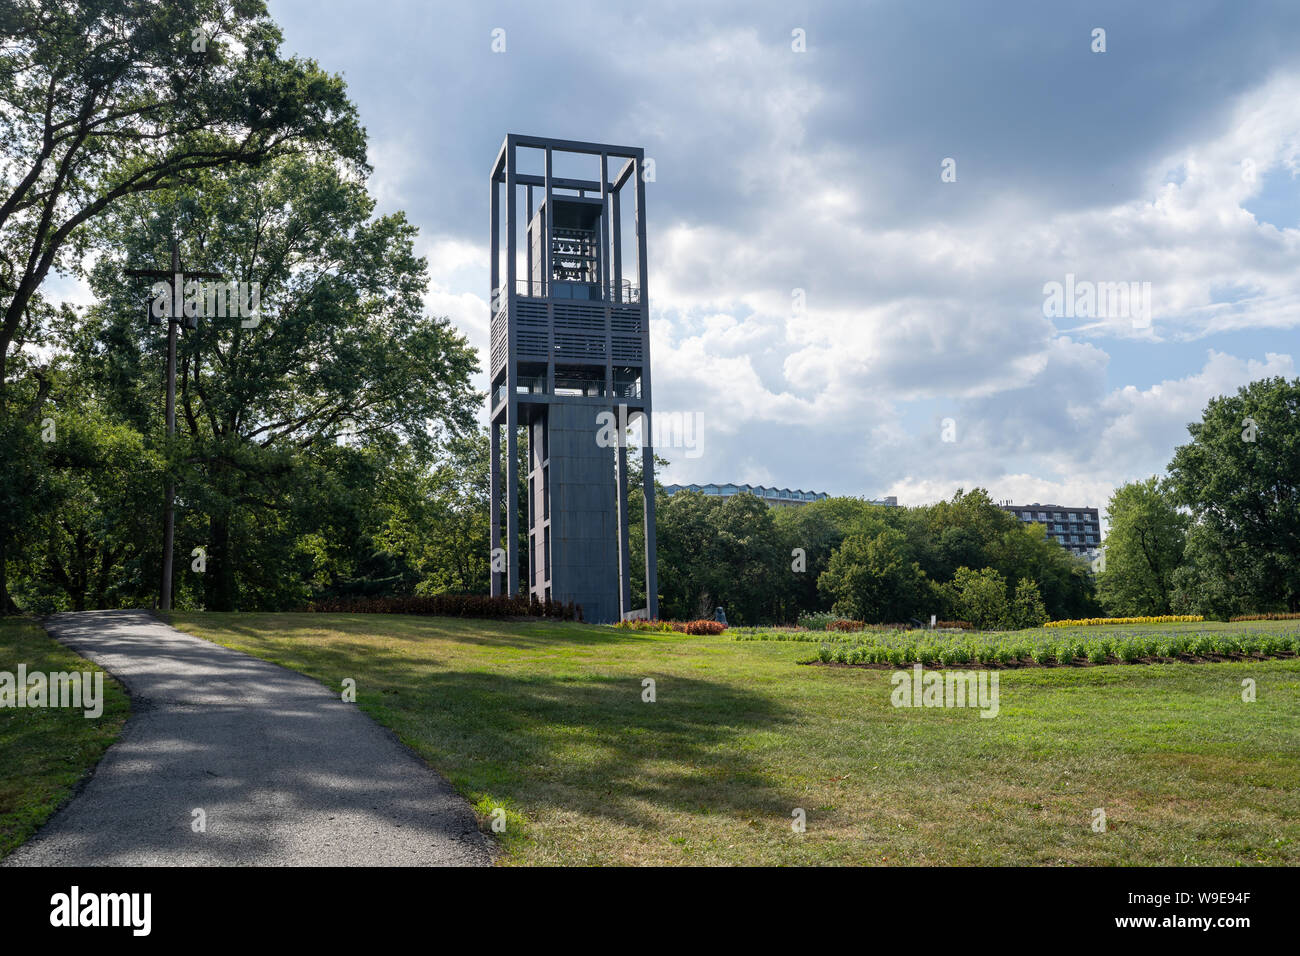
pixel 647 452
pixel 495 304
pixel 604 275
pixel 494 501
pixel 618 247
pixel 624 545
pixel 512 374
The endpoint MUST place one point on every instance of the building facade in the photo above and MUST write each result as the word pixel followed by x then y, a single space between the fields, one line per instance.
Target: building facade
pixel 777 497
pixel 570 353
pixel 1078 529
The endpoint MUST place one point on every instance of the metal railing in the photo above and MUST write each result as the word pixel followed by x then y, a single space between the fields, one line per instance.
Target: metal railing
pixel 627 294
pixel 590 388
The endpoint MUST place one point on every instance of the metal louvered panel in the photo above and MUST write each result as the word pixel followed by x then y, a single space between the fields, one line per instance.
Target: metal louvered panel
pixel 587 318
pixel 530 311
pixel 626 348
pixel 625 320
pixel 572 345
pixel 499 340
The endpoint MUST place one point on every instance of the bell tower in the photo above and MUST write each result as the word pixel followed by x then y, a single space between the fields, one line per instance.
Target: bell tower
pixel 570 365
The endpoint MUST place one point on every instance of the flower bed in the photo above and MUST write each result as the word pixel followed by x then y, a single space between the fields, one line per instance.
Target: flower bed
pixel 1022 649
pixel 702 626
pixel 1161 619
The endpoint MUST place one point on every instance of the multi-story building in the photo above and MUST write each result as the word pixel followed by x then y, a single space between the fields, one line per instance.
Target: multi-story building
pixel 1078 529
pixel 778 497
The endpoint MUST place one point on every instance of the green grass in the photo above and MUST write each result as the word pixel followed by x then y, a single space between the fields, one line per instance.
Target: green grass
pixel 45 752
pixel 546 720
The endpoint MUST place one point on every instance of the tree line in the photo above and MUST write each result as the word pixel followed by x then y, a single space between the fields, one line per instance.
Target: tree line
pixel 309 444
pixel 964 558
pixel 330 450
pixel 1219 533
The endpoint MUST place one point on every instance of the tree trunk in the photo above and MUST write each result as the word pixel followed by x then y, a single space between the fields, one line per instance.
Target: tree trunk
pixel 219 577
pixel 7 605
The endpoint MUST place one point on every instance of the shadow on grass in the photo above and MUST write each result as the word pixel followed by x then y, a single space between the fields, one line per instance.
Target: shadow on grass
pixel 523 633
pixel 591 743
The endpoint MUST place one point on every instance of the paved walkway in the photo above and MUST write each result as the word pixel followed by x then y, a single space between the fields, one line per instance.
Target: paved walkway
pixel 286 773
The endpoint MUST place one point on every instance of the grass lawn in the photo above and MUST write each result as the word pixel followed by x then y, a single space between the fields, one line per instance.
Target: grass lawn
pixel 45 751
pixel 547 720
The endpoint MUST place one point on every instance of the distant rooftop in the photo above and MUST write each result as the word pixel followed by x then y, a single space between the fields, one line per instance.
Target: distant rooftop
pixel 776 496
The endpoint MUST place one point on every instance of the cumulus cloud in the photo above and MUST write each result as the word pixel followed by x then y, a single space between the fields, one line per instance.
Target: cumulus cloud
pixel 818 295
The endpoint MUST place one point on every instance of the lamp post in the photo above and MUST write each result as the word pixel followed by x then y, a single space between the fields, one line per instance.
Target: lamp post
pixel 176 279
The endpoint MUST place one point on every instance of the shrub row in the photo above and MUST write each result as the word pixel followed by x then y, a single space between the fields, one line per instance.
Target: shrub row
pixel 1127 649
pixel 817 620
pixel 843 625
pixel 452 605
pixel 1160 619
pixel 702 626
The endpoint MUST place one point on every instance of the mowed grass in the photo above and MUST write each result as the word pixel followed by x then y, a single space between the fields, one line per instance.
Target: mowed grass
pixel 547 721
pixel 46 751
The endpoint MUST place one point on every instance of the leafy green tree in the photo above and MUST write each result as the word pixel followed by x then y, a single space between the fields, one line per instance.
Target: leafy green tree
pixel 110 99
pixel 342 353
pixel 438 518
pixel 104 525
pixel 1215 579
pixel 1240 476
pixel 873 579
pixel 816 529
pixel 717 552
pixel 1027 607
pixel 1143 549
pixel 979 597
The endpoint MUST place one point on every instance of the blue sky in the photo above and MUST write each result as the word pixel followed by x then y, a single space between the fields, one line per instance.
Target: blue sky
pixel 1169 159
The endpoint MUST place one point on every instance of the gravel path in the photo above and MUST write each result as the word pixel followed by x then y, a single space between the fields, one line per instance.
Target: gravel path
pixel 286 773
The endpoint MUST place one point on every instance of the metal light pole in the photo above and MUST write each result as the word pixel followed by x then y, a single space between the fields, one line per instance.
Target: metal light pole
pixel 176 313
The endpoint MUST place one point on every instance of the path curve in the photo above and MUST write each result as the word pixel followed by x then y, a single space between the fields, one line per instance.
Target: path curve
pixel 286 772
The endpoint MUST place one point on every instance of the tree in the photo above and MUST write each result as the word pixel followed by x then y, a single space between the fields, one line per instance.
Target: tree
pixel 717 551
pixel 1143 549
pixel 438 519
pixel 342 353
pixel 103 524
pixel 1027 608
pixel 1240 476
pixel 1215 580
pixel 114 98
pixel 873 579
pixel 817 529
pixel 979 597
